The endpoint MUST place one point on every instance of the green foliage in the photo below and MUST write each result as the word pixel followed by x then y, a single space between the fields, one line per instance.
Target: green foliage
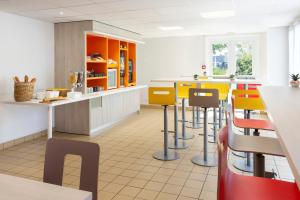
pixel 244 64
pixel 295 77
pixel 218 47
pixel 219 71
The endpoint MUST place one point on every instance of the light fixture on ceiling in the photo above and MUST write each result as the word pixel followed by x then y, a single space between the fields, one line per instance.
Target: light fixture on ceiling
pixel 170 28
pixel 61 13
pixel 218 14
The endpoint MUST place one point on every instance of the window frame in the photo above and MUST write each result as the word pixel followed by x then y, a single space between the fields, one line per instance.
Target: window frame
pixel 232 41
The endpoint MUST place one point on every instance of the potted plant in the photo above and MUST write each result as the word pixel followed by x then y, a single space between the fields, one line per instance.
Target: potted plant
pixel 196 76
pixel 231 77
pixel 295 80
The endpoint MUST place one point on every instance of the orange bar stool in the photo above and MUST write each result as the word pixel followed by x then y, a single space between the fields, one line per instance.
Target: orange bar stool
pixel 246 100
pixel 183 94
pixel 232 186
pixel 223 89
pixel 204 98
pixel 164 96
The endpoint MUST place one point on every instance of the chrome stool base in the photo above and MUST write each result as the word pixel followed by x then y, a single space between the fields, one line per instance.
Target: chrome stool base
pixel 180 145
pixel 170 155
pixel 211 160
pixel 241 164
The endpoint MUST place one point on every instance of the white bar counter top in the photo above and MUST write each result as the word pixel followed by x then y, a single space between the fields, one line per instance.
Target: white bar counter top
pixel 9 99
pixel 283 107
pixel 16 188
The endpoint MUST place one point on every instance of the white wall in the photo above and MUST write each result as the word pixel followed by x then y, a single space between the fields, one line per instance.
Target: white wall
pixel 26 47
pixel 169 57
pixel 277 56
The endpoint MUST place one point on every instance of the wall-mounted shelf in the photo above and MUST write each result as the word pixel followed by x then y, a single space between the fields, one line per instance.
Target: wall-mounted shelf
pixel 96 61
pixel 96 78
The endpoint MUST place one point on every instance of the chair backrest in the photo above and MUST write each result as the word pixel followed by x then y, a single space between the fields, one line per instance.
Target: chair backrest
pixel 205 98
pixel 222 163
pixel 245 102
pixel 250 87
pixel 223 88
pixel 57 149
pixel 162 96
pixel 183 89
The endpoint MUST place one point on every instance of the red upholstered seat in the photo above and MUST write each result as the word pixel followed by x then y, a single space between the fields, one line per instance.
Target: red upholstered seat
pixel 233 186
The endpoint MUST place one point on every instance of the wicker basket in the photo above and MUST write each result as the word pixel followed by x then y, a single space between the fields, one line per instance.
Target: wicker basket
pixel 23 91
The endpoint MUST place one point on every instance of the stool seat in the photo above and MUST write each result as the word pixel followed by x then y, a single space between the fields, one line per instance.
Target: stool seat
pixel 254 124
pixel 239 187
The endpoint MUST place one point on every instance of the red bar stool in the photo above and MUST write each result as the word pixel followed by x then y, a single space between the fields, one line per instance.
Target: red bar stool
pixel 233 186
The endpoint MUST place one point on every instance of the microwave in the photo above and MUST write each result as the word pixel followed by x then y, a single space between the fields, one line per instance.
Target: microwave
pixel 112 78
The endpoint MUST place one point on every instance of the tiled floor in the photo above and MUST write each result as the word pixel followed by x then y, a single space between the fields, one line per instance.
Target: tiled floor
pixel 127 169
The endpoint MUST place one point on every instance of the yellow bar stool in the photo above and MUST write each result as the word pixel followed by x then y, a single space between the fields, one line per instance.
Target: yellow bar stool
pixel 204 98
pixel 247 100
pixel 183 94
pixel 223 89
pixel 164 96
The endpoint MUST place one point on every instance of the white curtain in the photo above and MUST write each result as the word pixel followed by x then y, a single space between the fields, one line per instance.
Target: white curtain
pixel 294 48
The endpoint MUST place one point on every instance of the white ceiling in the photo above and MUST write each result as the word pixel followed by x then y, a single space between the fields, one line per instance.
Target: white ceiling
pixel 145 16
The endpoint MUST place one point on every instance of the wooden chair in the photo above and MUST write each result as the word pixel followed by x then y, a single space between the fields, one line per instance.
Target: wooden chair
pixel 233 186
pixel 57 149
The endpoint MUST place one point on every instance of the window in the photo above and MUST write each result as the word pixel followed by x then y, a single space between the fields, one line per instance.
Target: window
pixel 243 56
pixel 220 59
pixel 232 55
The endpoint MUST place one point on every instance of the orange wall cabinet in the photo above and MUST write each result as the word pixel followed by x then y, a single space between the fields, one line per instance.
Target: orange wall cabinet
pixel 104 53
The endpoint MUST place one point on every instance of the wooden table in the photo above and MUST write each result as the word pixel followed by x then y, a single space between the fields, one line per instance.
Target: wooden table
pixel 10 100
pixel 15 188
pixel 283 107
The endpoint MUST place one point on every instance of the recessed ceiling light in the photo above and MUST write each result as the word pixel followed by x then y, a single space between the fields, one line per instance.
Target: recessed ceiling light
pixel 170 28
pixel 218 14
pixel 61 13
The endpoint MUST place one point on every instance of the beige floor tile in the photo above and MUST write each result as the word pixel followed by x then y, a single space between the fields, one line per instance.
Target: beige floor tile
pixel 139 183
pixel 123 180
pixel 113 188
pixel 122 197
pixel 130 191
pixel 172 189
pixel 208 195
pixel 190 192
pixel 166 196
pixel 160 178
pixel 194 184
pixel 155 186
pixel 185 198
pixel 105 195
pixel 147 194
